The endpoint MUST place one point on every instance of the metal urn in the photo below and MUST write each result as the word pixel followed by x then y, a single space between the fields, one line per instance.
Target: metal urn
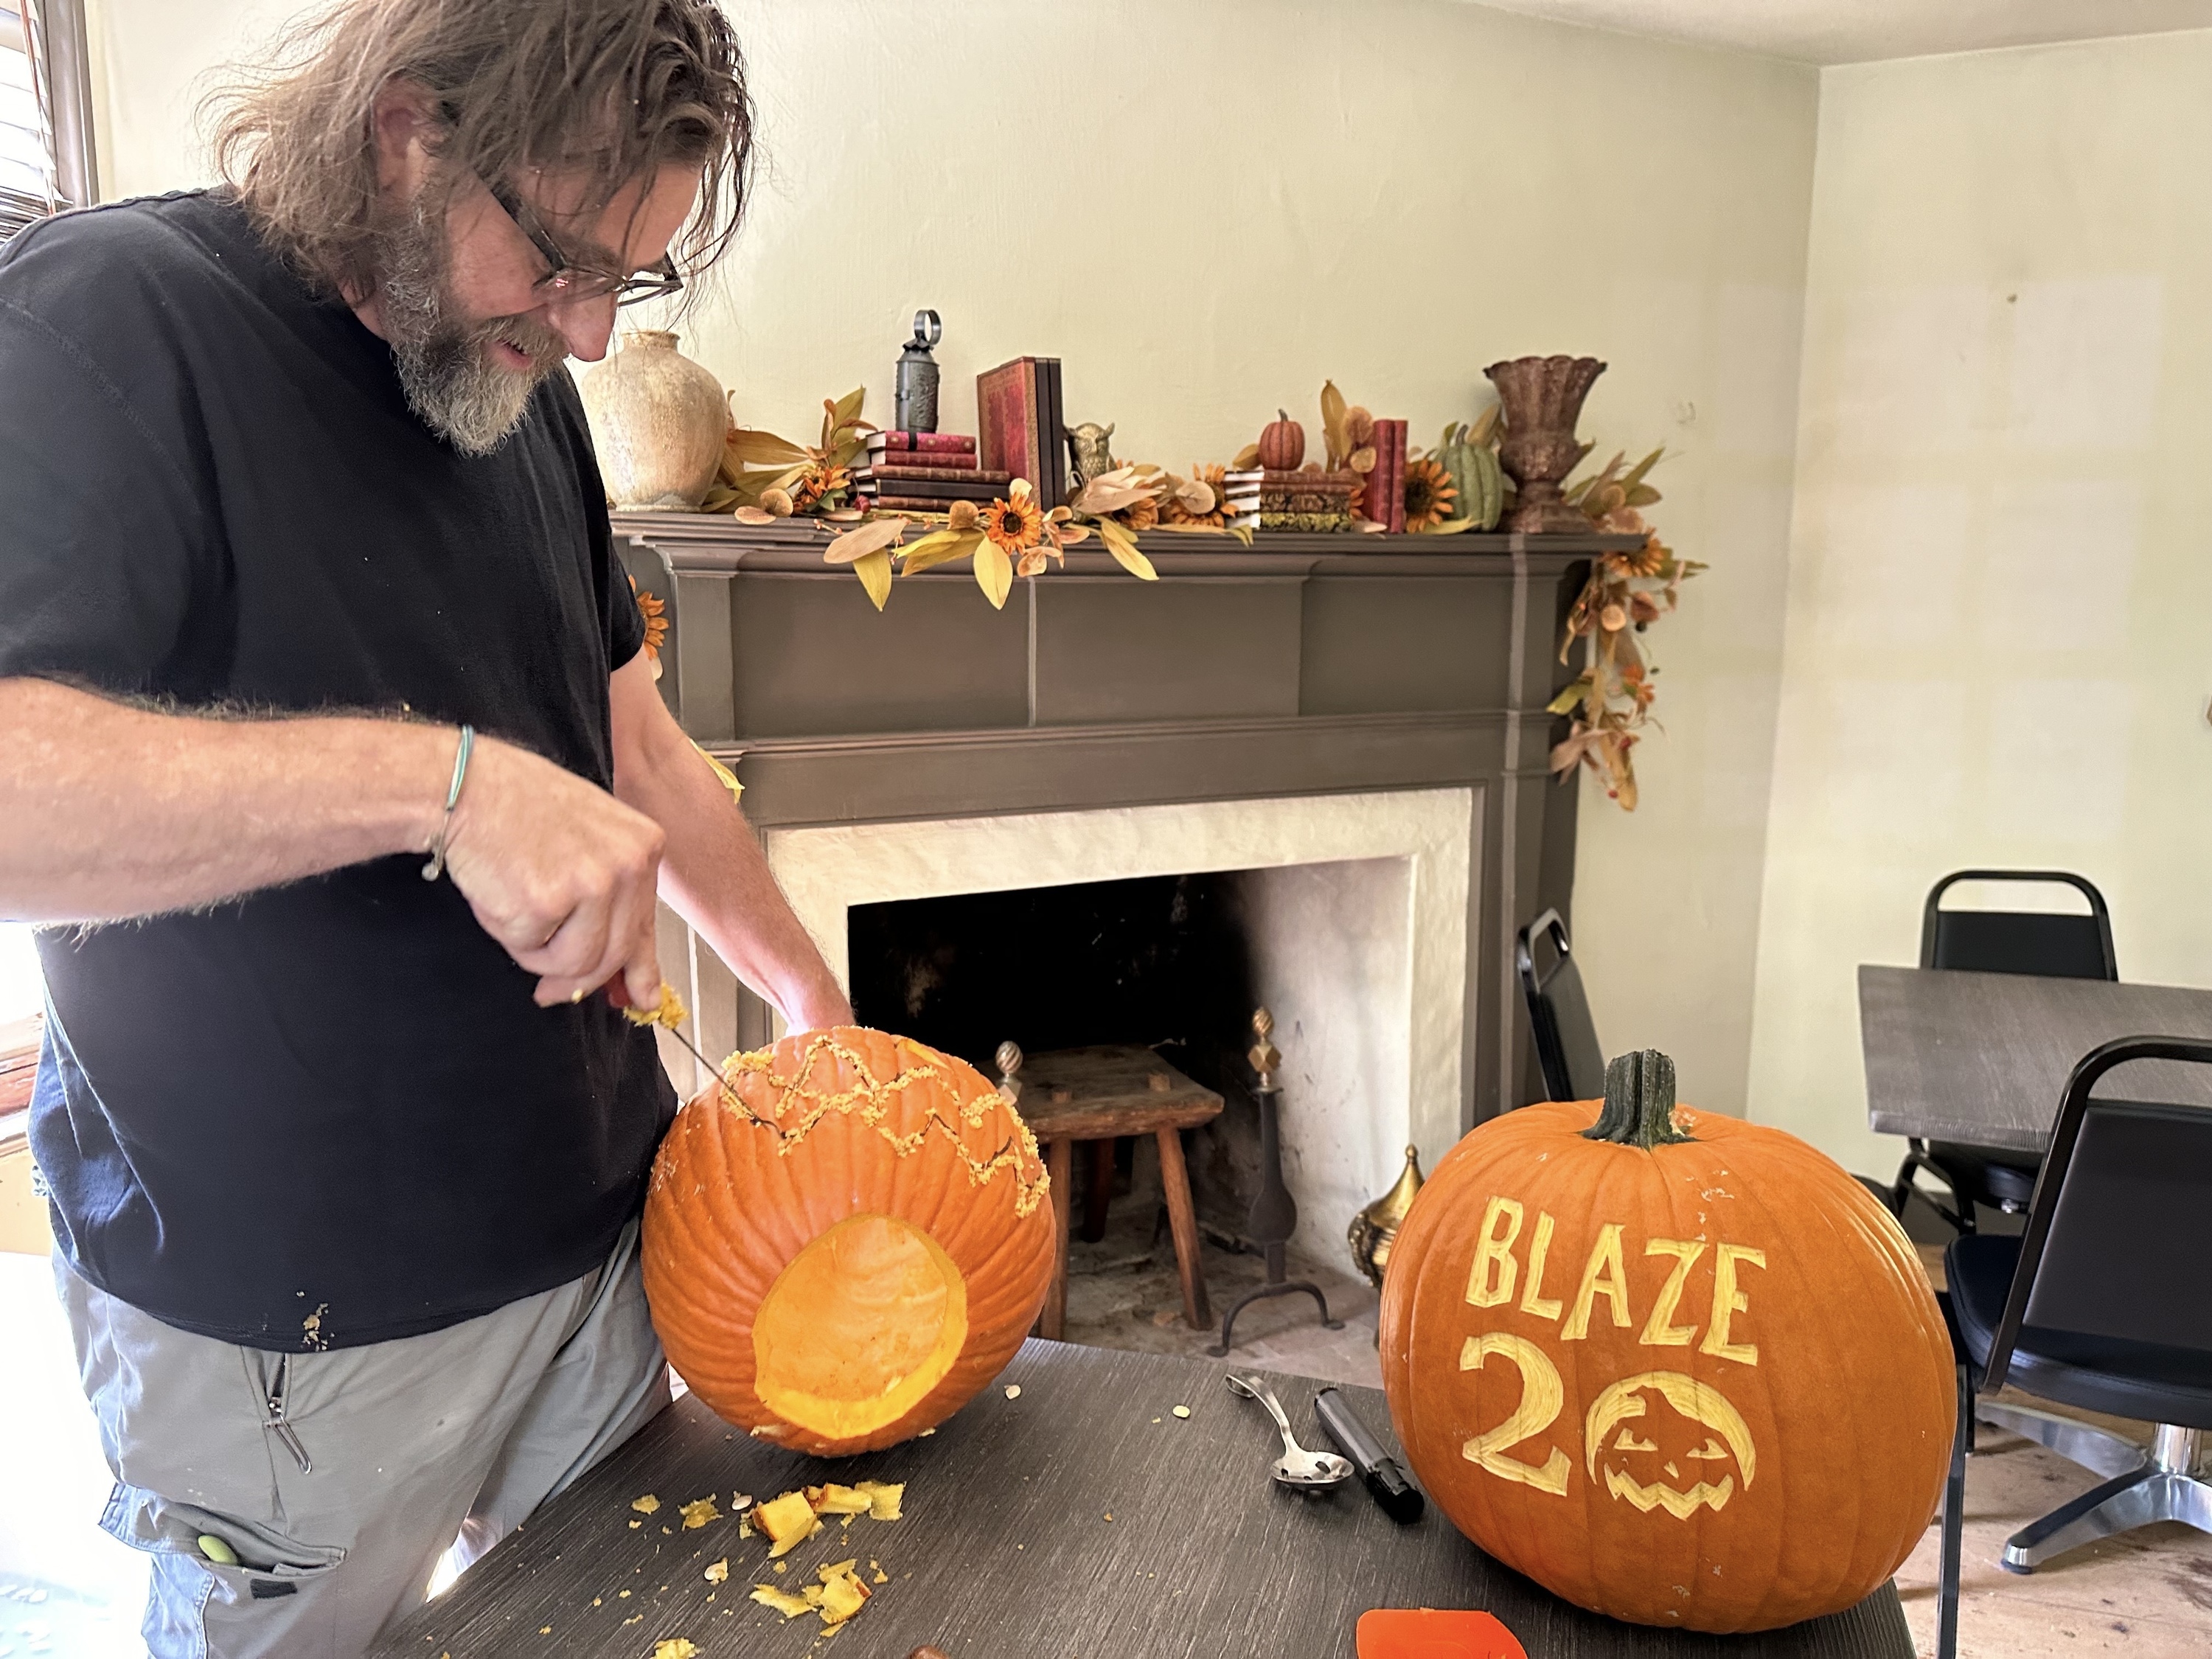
pixel 1376 1228
pixel 1542 399
pixel 913 400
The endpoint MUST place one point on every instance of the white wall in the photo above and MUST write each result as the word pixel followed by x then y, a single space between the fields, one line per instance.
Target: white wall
pixel 1205 211
pixel 1999 571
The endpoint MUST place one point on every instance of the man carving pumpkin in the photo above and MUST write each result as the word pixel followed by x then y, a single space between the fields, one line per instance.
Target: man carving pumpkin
pixel 328 747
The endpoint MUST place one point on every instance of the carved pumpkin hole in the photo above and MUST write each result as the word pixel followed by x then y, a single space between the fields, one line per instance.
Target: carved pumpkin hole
pixel 860 1326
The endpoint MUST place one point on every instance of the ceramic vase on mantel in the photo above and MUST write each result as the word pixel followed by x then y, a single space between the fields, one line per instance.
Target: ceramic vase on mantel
pixel 1542 399
pixel 657 422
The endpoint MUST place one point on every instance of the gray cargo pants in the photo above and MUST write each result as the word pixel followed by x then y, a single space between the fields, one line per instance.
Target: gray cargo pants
pixel 339 1478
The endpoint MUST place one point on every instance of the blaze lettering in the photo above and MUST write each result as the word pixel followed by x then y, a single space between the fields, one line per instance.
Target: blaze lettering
pixel 1605 1272
pixel 1728 1301
pixel 1491 1280
pixel 1544 1307
pixel 1657 1332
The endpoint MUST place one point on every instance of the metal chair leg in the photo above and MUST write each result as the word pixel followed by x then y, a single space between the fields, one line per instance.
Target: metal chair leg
pixel 2164 1489
pixel 1954 1519
pixel 1959 1218
pixel 2098 1451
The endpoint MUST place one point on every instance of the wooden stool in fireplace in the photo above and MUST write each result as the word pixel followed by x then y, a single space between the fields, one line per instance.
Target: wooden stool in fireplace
pixel 1100 1095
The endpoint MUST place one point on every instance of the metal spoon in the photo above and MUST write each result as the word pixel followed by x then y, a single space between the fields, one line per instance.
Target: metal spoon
pixel 1308 1471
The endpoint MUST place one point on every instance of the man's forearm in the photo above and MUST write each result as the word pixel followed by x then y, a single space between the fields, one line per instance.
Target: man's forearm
pixel 108 810
pixel 713 874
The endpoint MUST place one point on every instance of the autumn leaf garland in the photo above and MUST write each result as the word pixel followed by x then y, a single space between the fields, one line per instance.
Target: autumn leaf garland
pixel 1611 700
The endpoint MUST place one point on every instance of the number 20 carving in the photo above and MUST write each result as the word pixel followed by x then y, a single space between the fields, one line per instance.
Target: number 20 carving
pixel 1541 1396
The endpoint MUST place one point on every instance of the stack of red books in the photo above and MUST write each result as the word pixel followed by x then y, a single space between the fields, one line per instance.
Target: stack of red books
pixel 1018 408
pixel 924 472
pixel 1385 500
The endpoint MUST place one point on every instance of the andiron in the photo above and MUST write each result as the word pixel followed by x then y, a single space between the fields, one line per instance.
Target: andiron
pixel 1274 1215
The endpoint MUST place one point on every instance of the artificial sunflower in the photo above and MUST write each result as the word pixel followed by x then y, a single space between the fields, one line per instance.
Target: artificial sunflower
pixel 1430 494
pixel 1649 560
pixel 1177 509
pixel 1015 523
pixel 819 481
pixel 652 608
pixel 1140 515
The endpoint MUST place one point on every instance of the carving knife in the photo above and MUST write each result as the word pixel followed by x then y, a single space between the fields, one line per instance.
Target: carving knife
pixel 1384 1476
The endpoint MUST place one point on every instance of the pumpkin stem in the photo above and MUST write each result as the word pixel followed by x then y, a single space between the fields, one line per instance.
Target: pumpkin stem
pixel 1639 1103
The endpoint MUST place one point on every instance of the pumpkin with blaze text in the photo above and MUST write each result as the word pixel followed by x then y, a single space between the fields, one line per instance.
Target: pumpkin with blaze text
pixel 845 1239
pixel 1678 1367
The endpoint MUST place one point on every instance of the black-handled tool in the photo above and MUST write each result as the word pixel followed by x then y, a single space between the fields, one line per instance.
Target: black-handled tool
pixel 1385 1476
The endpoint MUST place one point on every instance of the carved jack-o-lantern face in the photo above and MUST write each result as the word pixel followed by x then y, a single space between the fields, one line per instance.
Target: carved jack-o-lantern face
pixel 1689 1450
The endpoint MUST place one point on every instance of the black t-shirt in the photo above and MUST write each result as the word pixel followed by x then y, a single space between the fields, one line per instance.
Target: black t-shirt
pixel 326 1113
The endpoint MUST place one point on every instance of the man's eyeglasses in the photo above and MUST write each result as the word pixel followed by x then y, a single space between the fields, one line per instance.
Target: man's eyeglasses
pixel 566 282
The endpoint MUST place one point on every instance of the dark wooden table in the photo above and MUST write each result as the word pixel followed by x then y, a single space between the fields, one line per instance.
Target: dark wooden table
pixel 1081 1521
pixel 1982 1058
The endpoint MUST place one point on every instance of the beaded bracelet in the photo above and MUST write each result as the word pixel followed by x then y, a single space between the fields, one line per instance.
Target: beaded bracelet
pixel 437 866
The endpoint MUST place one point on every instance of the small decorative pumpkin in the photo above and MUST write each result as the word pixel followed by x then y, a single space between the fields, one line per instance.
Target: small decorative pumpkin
pixel 1471 465
pixel 846 1240
pixel 1678 1367
pixel 1282 443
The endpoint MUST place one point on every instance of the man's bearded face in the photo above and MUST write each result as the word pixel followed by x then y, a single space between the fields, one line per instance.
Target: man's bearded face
pixel 446 365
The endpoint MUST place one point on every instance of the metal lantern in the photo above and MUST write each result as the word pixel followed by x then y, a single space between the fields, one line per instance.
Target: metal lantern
pixel 914 402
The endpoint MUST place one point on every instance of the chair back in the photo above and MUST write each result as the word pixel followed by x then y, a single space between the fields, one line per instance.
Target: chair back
pixel 2121 1223
pixel 1558 1013
pixel 2055 946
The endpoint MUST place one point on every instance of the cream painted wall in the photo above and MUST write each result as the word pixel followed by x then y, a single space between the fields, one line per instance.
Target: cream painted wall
pixel 1999 574
pixel 1205 211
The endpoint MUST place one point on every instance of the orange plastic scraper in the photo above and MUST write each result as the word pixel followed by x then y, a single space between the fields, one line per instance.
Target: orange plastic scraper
pixel 1434 1633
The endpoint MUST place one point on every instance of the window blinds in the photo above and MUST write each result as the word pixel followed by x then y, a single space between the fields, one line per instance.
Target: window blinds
pixel 27 150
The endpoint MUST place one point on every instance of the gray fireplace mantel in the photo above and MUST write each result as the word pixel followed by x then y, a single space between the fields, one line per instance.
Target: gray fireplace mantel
pixel 1306 665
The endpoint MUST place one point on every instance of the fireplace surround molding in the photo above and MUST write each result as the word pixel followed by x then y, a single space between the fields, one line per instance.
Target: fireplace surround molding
pixel 1221 703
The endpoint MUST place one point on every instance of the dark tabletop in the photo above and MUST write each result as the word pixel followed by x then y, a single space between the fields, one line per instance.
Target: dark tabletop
pixel 1007 1549
pixel 1982 1058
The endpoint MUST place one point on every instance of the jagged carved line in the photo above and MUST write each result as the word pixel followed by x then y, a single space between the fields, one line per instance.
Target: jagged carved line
pixel 870 1099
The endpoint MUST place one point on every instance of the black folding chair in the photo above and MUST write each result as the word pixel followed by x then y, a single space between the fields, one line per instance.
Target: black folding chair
pixel 2054 945
pixel 2101 1305
pixel 1558 1013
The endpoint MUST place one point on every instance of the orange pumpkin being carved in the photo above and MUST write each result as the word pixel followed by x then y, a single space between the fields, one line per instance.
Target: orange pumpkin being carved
pixel 846 1241
pixel 1676 1367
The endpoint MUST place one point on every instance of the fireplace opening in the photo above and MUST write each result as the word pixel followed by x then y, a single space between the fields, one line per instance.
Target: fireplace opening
pixel 1178 963
pixel 1153 962
pixel 1158 962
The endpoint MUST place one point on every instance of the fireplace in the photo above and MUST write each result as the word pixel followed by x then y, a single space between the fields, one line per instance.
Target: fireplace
pixel 1344 915
pixel 1317 768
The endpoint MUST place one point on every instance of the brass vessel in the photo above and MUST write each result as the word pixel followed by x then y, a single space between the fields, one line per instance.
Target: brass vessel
pixel 1375 1228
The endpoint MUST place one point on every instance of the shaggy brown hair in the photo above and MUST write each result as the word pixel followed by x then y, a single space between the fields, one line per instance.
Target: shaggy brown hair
pixel 615 89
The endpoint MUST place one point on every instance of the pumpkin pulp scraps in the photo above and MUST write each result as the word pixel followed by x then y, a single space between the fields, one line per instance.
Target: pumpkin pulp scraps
pixel 789 1520
pixel 669 1011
